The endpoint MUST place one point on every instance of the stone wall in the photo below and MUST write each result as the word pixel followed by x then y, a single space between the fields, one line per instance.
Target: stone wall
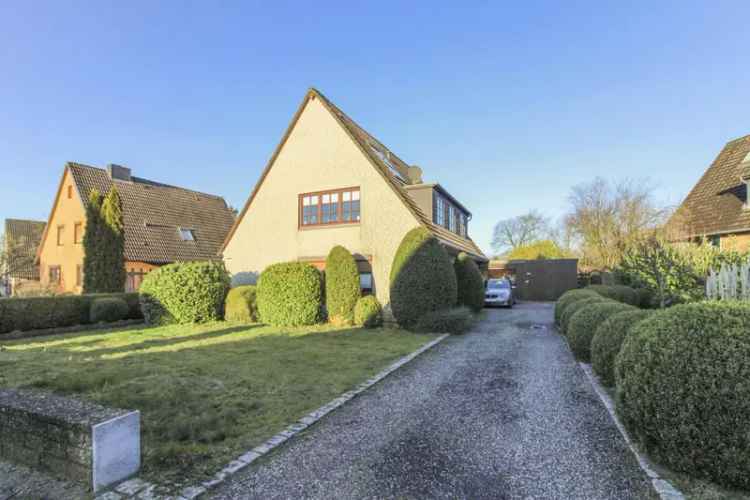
pixel 59 435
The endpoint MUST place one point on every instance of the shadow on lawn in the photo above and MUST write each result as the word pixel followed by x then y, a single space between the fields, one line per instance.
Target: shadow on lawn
pixel 202 405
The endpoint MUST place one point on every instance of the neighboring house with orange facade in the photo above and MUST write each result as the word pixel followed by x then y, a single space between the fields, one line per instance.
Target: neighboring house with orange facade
pixel 162 224
pixel 329 182
pixel 717 209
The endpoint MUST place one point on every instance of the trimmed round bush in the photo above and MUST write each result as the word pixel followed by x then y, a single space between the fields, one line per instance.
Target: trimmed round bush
pixel 367 312
pixel 241 304
pixel 620 293
pixel 456 320
pixel 683 389
pixel 342 285
pixel 422 278
pixel 583 324
pixel 568 298
pixel 108 310
pixel 608 339
pixel 185 292
pixel 573 308
pixel 290 294
pixel 469 282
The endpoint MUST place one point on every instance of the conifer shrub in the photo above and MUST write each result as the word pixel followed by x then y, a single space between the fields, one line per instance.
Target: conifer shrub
pixel 108 310
pixel 470 291
pixel 341 285
pixel 583 324
pixel 422 278
pixel 568 298
pixel 189 292
pixel 608 338
pixel 683 392
pixel 368 312
pixel 241 304
pixel 290 294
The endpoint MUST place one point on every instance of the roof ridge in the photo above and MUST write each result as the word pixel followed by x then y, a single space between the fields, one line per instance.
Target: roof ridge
pixel 738 139
pixel 149 181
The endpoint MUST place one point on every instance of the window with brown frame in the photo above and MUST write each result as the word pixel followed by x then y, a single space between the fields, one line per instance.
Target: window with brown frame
pixel 325 208
pixel 60 235
pixel 70 192
pixel 79 275
pixel 55 275
pixel 77 232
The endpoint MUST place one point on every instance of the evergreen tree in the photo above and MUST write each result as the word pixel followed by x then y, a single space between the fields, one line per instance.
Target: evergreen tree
pixel 113 244
pixel 91 243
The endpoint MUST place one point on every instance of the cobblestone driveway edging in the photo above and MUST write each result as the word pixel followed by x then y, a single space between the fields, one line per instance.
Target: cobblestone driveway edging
pixel 139 489
pixel 663 487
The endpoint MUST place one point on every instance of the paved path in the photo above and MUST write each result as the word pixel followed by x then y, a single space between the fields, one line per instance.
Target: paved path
pixel 503 412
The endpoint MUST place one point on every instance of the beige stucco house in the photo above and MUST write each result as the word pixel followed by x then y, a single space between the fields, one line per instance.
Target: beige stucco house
pixel 328 183
pixel 162 224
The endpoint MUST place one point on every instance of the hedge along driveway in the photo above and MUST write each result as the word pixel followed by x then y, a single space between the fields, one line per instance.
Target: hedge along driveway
pixel 206 392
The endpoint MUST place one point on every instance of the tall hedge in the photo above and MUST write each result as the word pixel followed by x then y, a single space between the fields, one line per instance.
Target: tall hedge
pixel 608 339
pixel 422 278
pixel 341 285
pixel 568 298
pixel 112 244
pixel 469 282
pixel 92 263
pixel 190 292
pixel 583 324
pixel 290 294
pixel 104 244
pixel 683 389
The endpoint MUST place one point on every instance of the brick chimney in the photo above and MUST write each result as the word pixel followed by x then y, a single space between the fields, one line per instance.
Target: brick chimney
pixel 118 172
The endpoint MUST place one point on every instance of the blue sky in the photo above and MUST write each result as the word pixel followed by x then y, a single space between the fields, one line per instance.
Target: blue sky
pixel 505 104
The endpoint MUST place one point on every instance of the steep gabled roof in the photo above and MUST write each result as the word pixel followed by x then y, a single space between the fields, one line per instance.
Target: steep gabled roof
pixel 716 204
pixel 24 237
pixel 393 170
pixel 154 212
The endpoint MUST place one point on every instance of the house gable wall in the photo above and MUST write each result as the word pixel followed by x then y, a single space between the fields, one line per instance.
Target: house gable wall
pixel 66 212
pixel 318 155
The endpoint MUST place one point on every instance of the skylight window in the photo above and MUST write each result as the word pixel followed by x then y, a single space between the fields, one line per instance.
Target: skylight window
pixel 186 234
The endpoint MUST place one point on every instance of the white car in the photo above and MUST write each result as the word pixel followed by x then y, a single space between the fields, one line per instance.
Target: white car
pixel 499 292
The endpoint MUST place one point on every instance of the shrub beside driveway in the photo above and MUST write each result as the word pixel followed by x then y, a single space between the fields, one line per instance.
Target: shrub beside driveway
pixel 206 392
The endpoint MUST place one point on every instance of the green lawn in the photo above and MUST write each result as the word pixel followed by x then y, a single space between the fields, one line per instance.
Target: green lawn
pixel 206 392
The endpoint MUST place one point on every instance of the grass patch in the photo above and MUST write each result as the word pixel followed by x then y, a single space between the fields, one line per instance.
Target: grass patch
pixel 207 392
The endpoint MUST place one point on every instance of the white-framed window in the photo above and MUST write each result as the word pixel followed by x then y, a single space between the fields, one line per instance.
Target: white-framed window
pixel 452 218
pixel 186 234
pixel 365 282
pixel 439 218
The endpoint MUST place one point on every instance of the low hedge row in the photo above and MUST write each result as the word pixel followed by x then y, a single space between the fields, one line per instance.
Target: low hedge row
pixel 290 294
pixel 570 297
pixel 584 323
pixel 620 293
pixel 608 339
pixel 367 312
pixel 683 389
pixel 57 311
pixel 573 308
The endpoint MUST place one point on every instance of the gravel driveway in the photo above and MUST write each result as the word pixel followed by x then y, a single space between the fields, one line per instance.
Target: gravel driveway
pixel 502 412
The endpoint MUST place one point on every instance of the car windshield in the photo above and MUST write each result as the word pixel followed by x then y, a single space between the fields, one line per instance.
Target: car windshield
pixel 498 285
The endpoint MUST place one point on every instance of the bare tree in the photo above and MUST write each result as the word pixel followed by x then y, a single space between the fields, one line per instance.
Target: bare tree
pixel 15 258
pixel 509 234
pixel 606 218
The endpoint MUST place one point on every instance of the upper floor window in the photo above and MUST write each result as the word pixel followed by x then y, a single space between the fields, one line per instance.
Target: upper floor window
pixel 60 235
pixel 451 218
pixel 78 232
pixel 439 210
pixel 70 192
pixel 329 207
